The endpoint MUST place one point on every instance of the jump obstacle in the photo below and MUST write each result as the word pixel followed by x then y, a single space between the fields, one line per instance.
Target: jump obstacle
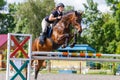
pixel 45 56
pixel 74 56
pixel 11 55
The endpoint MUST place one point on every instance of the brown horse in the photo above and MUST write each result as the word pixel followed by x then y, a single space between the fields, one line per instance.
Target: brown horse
pixel 60 35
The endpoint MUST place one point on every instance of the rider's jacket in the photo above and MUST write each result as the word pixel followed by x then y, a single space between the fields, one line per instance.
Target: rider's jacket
pixel 55 13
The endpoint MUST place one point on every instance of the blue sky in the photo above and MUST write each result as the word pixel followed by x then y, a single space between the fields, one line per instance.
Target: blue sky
pixel 76 3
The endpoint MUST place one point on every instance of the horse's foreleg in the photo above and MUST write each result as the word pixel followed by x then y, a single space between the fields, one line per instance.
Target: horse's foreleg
pixel 66 43
pixel 66 40
pixel 75 40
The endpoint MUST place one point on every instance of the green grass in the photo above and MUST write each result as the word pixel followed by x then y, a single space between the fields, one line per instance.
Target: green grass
pixel 100 72
pixel 46 71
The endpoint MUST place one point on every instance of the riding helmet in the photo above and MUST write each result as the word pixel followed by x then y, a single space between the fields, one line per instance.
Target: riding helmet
pixel 60 4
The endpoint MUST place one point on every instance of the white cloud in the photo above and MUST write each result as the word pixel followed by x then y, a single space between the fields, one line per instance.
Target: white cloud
pixel 15 1
pixel 78 4
pixel 104 8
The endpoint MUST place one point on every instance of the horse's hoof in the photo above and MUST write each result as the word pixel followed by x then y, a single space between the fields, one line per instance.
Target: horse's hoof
pixel 63 46
pixel 72 45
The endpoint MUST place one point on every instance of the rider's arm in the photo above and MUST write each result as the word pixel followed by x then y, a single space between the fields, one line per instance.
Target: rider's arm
pixel 52 18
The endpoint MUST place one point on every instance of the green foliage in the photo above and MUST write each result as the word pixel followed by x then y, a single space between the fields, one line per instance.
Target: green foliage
pixel 93 19
pixel 115 7
pixel 69 8
pixel 111 47
pixel 118 47
pixel 29 15
pixel 2 3
pixel 103 29
pixel 7 23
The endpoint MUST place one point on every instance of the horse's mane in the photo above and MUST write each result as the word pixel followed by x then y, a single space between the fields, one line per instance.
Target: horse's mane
pixel 68 12
pixel 71 12
pixel 67 15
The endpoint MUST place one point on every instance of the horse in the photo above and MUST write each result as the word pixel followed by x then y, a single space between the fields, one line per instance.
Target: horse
pixel 60 35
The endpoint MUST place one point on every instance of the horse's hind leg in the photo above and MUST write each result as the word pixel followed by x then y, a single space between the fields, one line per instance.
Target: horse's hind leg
pixel 37 68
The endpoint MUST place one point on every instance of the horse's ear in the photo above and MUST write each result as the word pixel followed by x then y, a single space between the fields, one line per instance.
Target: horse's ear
pixel 81 12
pixel 76 13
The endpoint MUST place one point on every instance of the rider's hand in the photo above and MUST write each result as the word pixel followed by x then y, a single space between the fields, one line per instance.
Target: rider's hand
pixel 59 17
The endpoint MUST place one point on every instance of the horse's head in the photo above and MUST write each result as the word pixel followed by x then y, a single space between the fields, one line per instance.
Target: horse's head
pixel 76 20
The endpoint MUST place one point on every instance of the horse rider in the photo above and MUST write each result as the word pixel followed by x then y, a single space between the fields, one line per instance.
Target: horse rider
pixel 53 18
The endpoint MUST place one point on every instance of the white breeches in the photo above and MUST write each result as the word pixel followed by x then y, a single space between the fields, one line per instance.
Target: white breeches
pixel 45 24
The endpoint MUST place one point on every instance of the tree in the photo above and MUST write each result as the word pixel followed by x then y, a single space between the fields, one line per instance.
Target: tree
pixel 93 21
pixel 103 28
pixel 2 3
pixel 69 8
pixel 30 14
pixel 115 7
pixel 6 20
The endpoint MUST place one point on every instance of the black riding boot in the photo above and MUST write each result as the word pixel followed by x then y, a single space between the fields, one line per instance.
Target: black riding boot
pixel 42 38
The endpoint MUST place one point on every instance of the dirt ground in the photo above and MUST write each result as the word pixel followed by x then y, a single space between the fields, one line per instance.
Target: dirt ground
pixel 50 76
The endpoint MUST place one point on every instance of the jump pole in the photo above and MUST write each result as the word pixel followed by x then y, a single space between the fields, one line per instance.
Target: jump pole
pixel 77 56
pixel 74 54
pixel 74 59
